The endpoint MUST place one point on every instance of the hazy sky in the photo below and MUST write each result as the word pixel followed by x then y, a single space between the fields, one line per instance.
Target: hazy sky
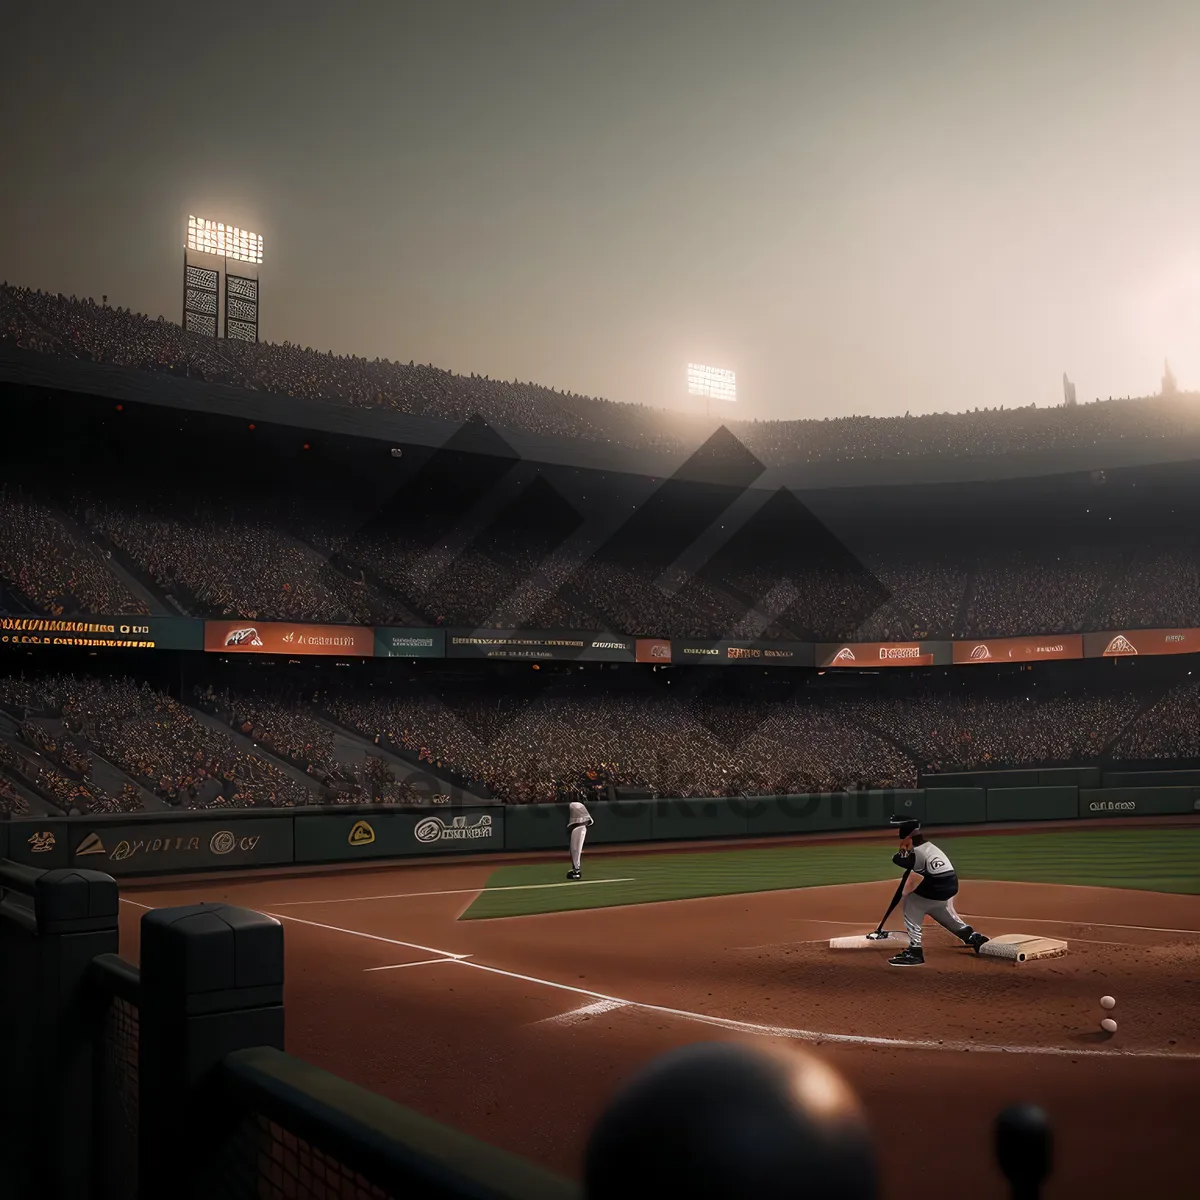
pixel 859 206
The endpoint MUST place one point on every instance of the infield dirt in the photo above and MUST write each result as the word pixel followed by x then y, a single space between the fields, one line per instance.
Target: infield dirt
pixel 522 1042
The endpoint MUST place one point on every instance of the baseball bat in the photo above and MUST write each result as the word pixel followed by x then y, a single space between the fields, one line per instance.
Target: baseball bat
pixel 895 900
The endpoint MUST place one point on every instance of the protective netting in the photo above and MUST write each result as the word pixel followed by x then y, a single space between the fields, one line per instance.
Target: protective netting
pixel 116 1109
pixel 265 1161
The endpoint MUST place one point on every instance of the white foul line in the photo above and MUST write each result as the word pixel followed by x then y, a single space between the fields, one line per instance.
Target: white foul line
pixel 374 937
pixel 1082 924
pixel 425 962
pixel 576 1015
pixel 805 1035
pixel 483 891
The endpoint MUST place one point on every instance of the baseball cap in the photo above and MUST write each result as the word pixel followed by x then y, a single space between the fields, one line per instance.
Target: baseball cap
pixel 907 826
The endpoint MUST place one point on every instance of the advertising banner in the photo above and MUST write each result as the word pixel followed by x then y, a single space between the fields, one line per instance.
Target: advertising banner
pixel 1121 643
pixel 1137 802
pixel 104 633
pixel 883 654
pixel 149 847
pixel 653 650
pixel 410 643
pixel 1020 649
pixel 38 842
pixel 283 637
pixel 338 838
pixel 534 645
pixel 742 653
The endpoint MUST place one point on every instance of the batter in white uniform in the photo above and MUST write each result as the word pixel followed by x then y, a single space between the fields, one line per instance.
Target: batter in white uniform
pixel 578 820
pixel 929 892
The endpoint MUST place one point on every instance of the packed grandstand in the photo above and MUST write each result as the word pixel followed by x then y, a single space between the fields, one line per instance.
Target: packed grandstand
pixel 96 741
pixel 84 329
pixel 145 520
pixel 66 549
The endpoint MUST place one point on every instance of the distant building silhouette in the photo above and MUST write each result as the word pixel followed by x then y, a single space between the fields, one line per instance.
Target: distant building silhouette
pixel 1169 386
pixel 1068 392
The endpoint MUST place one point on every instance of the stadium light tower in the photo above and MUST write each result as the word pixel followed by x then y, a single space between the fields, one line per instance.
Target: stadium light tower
pixel 714 383
pixel 208 241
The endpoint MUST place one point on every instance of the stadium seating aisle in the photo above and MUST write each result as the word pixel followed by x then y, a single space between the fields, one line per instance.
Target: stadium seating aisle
pixel 67 550
pixel 537 738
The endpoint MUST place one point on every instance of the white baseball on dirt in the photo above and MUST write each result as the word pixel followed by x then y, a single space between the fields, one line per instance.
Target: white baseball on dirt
pixel 1107 1002
pixel 1108 1025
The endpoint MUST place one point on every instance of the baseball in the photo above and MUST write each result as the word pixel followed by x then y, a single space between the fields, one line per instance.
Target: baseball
pixel 1107 1002
pixel 1108 1025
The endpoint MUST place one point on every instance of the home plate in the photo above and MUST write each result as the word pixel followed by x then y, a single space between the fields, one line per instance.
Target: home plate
pixel 1022 947
pixel 862 942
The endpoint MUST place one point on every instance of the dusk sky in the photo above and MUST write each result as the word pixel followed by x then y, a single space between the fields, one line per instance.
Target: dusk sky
pixel 861 207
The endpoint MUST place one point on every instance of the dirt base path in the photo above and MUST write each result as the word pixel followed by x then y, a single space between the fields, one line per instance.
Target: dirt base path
pixel 518 1030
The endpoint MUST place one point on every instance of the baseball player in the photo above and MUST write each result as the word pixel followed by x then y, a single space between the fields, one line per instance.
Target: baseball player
pixel 929 891
pixel 578 820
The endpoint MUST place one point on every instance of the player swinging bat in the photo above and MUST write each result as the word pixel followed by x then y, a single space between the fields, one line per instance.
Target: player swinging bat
pixel 578 822
pixel 929 887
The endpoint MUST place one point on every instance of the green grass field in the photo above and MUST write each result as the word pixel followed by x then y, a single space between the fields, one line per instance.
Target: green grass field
pixel 1154 860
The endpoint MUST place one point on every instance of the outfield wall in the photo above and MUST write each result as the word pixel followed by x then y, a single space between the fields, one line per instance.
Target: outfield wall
pixel 192 842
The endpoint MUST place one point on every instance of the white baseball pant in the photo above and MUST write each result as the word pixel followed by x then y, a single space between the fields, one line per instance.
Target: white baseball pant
pixel 578 834
pixel 917 908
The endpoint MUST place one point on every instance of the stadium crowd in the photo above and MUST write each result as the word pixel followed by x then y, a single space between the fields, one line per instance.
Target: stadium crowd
pixel 306 742
pixel 154 739
pixel 54 565
pixel 81 549
pixel 288 727
pixel 1169 730
pixel 221 562
pixel 82 329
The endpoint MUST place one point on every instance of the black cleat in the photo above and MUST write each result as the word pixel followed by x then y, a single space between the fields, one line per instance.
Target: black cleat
pixel 914 956
pixel 976 940
pixel 574 874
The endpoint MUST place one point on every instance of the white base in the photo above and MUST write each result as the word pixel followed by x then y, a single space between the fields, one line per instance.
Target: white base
pixel 862 942
pixel 1022 947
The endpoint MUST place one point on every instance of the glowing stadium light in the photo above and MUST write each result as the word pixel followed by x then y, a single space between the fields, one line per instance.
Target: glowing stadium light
pixel 711 381
pixel 225 241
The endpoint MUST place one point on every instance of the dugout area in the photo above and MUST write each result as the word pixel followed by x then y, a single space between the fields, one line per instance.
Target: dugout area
pixel 507 1002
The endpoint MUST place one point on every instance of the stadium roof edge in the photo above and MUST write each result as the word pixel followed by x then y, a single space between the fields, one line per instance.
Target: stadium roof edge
pixel 390 427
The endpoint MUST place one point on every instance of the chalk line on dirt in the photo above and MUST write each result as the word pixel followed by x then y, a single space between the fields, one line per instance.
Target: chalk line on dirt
pixel 424 962
pixel 805 1035
pixel 577 1015
pixel 1083 924
pixel 483 891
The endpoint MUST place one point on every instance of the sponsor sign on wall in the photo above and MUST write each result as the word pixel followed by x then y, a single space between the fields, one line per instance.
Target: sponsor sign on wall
pixel 38 842
pixel 1020 649
pixel 283 637
pixel 338 838
pixel 410 643
pixel 883 654
pixel 742 653
pixel 653 650
pixel 1134 802
pixel 148 847
pixel 536 644
pixel 104 633
pixel 1127 642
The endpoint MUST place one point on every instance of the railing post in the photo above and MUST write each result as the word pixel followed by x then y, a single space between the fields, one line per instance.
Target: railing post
pixel 56 925
pixel 212 983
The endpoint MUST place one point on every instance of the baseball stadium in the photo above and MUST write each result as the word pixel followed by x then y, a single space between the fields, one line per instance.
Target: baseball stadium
pixel 442 780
